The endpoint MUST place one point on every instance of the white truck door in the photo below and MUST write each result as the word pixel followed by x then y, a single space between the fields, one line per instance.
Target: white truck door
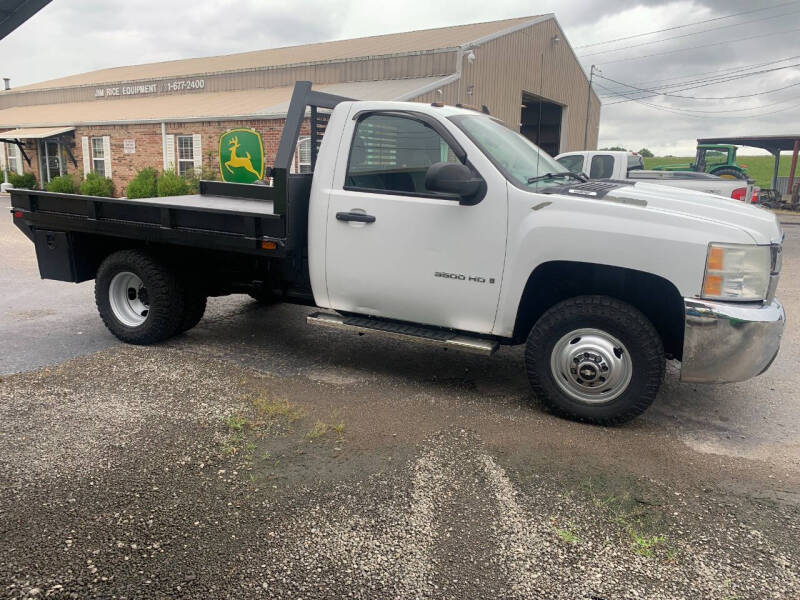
pixel 394 249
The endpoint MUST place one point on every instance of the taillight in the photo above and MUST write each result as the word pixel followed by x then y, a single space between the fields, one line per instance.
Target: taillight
pixel 756 192
pixel 18 214
pixel 739 193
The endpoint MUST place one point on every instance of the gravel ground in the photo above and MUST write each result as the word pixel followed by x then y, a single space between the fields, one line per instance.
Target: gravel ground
pixel 256 458
pixel 161 472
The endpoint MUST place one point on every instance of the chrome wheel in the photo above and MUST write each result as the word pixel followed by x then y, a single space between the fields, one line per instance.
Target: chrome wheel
pixel 128 299
pixel 591 365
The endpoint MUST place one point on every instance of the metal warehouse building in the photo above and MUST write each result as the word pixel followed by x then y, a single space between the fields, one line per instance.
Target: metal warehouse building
pixel 172 114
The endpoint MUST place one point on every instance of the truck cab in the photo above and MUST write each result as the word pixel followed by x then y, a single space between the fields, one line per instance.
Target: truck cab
pixel 602 164
pixel 439 224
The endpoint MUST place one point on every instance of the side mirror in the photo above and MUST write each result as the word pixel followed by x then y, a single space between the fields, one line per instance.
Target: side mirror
pixel 453 178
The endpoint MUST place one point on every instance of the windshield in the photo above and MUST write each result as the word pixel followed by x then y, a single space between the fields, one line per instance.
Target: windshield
pixel 516 156
pixel 572 162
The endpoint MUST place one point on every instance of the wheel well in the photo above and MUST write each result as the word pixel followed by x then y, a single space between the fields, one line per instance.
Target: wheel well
pixel 552 282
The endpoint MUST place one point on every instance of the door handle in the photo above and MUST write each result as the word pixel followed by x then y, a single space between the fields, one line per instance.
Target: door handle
pixel 355 216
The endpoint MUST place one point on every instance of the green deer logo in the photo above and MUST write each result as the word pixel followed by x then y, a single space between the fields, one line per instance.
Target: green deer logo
pixel 241 156
pixel 239 161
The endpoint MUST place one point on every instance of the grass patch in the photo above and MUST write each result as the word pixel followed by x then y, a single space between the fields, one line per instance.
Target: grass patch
pixel 319 430
pixel 322 429
pixel 644 545
pixel 568 535
pixel 236 422
pixel 634 509
pixel 268 411
pixel 757 167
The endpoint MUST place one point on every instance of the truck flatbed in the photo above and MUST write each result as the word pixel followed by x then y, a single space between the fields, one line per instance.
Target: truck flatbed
pixel 223 216
pixel 217 204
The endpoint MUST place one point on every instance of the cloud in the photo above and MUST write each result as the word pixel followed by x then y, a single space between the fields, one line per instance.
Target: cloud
pixel 69 37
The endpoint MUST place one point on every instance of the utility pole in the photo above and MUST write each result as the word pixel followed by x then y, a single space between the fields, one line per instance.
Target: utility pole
pixel 588 104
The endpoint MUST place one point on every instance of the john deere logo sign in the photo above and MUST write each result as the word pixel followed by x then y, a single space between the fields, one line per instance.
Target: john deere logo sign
pixel 241 156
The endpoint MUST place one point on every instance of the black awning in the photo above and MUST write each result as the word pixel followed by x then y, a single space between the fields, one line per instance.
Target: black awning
pixel 14 13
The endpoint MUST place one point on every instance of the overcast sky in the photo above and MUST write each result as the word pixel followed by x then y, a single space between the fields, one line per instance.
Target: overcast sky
pixel 73 36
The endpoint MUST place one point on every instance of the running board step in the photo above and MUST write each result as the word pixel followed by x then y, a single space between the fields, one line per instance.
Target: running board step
pixel 412 333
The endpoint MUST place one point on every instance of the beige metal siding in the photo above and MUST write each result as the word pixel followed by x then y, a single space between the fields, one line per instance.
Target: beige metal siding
pixel 508 65
pixel 395 43
pixel 429 64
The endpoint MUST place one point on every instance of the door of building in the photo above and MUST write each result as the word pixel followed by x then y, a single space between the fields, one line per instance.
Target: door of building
pixel 50 160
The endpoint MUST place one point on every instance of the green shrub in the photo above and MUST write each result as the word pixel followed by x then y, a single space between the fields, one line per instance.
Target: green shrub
pixel 64 184
pixel 194 180
pixel 171 184
pixel 26 181
pixel 143 185
pixel 96 185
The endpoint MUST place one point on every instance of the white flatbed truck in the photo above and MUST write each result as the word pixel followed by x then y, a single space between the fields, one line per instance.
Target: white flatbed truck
pixel 439 224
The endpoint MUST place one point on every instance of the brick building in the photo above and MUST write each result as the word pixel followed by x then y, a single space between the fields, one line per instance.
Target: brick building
pixel 172 114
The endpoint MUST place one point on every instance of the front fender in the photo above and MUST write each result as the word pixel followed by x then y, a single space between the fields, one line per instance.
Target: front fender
pixel 545 228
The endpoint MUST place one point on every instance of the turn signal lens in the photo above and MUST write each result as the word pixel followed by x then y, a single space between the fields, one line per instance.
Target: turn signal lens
pixel 712 285
pixel 715 255
pixel 265 245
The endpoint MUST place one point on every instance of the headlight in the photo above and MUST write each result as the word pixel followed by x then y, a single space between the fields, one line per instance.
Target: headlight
pixel 737 272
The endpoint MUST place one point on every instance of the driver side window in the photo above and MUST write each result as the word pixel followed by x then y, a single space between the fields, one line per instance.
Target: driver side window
pixel 392 153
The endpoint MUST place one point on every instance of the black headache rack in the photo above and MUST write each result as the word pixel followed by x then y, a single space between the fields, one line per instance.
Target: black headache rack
pixel 262 219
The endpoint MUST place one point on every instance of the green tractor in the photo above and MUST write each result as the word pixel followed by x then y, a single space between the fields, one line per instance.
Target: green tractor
pixel 717 159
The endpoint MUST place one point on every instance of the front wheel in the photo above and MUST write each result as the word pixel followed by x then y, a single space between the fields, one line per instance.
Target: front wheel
pixel 595 359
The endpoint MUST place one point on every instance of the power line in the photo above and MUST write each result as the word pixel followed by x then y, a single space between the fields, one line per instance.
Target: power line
pixel 704 115
pixel 725 79
pixel 720 72
pixel 697 83
pixel 685 35
pixel 655 93
pixel 638 35
pixel 752 37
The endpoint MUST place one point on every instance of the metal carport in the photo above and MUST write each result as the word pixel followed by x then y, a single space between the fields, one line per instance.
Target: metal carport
pixel 774 144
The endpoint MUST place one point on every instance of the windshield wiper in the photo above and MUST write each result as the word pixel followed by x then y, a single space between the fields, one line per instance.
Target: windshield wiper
pixel 546 176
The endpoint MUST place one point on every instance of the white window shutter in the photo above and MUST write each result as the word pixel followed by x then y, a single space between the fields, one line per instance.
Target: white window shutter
pixel 2 156
pixel 18 154
pixel 169 157
pixel 107 154
pixel 87 158
pixel 197 153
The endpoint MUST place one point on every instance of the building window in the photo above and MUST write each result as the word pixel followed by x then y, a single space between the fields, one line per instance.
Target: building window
pixel 98 157
pixel 304 155
pixel 185 155
pixel 14 158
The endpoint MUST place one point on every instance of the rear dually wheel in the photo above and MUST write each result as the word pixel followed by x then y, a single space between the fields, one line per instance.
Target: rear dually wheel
pixel 139 297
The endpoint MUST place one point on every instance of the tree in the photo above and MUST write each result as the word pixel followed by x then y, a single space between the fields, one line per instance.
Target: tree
pixel 646 153
pixel 615 149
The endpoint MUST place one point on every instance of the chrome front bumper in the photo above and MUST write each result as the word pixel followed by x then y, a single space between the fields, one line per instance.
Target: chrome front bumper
pixel 725 342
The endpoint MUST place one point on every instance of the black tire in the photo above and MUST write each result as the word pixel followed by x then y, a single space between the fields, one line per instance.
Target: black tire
pixel 606 315
pixel 730 174
pixel 165 297
pixel 194 309
pixel 262 296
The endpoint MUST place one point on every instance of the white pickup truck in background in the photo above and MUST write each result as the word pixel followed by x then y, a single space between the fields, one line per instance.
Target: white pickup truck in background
pixel 441 225
pixel 616 164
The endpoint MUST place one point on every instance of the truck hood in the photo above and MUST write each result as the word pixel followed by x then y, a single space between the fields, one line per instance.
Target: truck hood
pixel 759 223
